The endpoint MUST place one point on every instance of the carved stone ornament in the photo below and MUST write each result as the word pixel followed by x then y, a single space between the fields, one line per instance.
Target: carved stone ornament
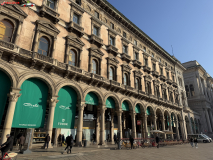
pixel 112 61
pixel 13 96
pixel 156 82
pixel 164 86
pixel 148 78
pixel 47 28
pixel 126 68
pixel 75 42
pixel 138 73
pixel 53 101
pixel 81 106
pixel 96 52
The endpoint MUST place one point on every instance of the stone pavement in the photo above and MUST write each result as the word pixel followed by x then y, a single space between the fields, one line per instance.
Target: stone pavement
pixel 176 152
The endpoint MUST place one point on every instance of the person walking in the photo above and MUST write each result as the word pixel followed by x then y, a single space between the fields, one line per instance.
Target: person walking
pixel 131 141
pixel 69 141
pixel 62 138
pixel 7 145
pixel 195 142
pixel 192 141
pixel 115 138
pixel 94 138
pixel 59 140
pixel 21 141
pixel 47 140
pixel 157 141
pixel 108 138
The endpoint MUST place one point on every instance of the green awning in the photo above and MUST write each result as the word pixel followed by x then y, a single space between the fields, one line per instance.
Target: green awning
pixel 137 109
pixel 91 98
pixel 110 103
pixel 125 106
pixel 148 111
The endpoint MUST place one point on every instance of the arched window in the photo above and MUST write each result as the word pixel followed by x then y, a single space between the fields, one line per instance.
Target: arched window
pixel 176 100
pixel 72 58
pixel 6 30
pixel 111 73
pixel 187 91
pixel 43 46
pixel 94 66
pixel 125 79
pixel 137 84
pixel 165 96
pixel 171 97
pixel 192 90
pixel 157 91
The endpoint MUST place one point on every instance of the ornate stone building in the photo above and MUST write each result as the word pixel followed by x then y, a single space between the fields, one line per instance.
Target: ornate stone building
pixel 199 91
pixel 82 65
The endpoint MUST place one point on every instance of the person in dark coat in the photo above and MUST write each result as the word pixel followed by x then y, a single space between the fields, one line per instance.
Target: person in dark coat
pixel 131 141
pixel 59 139
pixel 21 141
pixel 62 138
pixel 195 142
pixel 157 141
pixel 7 145
pixel 108 138
pixel 69 141
pixel 47 140
pixel 192 141
pixel 115 138
pixel 94 138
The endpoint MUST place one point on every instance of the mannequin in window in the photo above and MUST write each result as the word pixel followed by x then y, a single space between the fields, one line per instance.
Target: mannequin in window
pixel 136 84
pixel 111 73
pixel 72 58
pixel 6 30
pixel 94 66
pixel 125 79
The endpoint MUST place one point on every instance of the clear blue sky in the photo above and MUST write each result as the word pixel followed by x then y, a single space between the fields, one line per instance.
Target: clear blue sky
pixel 187 25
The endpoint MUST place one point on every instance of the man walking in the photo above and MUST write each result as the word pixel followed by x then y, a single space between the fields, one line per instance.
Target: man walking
pixel 94 138
pixel 195 141
pixel 191 141
pixel 47 140
pixel 115 138
pixel 21 141
pixel 131 141
pixel 59 140
pixel 6 146
pixel 157 141
pixel 69 141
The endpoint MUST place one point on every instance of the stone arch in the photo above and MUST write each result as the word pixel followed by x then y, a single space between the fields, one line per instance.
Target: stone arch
pixel 175 118
pixel 129 102
pixel 142 107
pixel 11 73
pixel 115 98
pixel 166 112
pixel 151 107
pixel 44 77
pixel 159 110
pixel 71 84
pixel 96 91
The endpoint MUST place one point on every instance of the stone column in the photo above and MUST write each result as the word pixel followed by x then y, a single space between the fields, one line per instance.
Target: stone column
pixel 10 113
pixel 163 126
pixel 119 113
pixel 143 84
pixel 124 121
pixel 112 127
pixel 103 109
pixel 18 32
pixel 35 49
pixel 52 105
pixel 170 127
pixel 133 125
pixel 80 124
pixel 145 126
pixel 208 121
pixel 98 126
pixel 177 130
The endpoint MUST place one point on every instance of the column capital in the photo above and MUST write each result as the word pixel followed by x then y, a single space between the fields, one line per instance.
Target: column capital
pixel 81 106
pixel 132 113
pixel 119 112
pixel 13 97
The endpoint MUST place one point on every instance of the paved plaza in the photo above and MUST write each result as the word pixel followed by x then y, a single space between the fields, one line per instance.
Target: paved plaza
pixel 176 152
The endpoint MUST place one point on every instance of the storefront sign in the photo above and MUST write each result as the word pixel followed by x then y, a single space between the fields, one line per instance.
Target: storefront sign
pixel 138 122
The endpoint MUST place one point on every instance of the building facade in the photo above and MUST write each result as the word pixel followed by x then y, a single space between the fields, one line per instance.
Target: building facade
pixel 198 85
pixel 80 65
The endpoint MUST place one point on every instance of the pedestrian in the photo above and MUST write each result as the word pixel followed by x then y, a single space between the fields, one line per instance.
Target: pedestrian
pixel 21 141
pixel 69 141
pixel 62 138
pixel 115 138
pixel 131 141
pixel 157 141
pixel 195 141
pixel 7 145
pixel 12 137
pixel 47 140
pixel 75 138
pixel 108 138
pixel 191 141
pixel 94 138
pixel 59 140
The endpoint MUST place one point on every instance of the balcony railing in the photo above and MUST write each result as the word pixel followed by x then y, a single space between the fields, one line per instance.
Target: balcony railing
pixel 146 69
pixel 96 39
pixel 72 26
pixel 6 44
pixel 52 13
pixel 137 63
pixel 43 57
pixel 112 49
pixel 125 57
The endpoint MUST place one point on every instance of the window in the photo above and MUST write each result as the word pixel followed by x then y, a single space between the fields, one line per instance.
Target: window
pixel 51 4
pixel 135 42
pixel 96 15
pixel 171 97
pixel 6 30
pixel 112 41
pixel 165 63
pixel 148 88
pixel 76 18
pixel 78 2
pixel 144 49
pixel 72 58
pixel 136 56
pixel 146 62
pixel 125 49
pixel 43 46
pixel 187 91
pixel 159 59
pixel 161 71
pixel 192 90
pixel 111 73
pixel 153 55
pixel 125 79
pixel 112 25
pixel 153 66
pixel 95 31
pixel 124 34
pixel 137 84
pixel 94 66
pixel 167 74
pixel 173 78
pixel 158 91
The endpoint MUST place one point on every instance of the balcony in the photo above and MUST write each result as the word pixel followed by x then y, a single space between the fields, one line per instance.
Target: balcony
pixel 155 73
pixel 49 13
pixel 169 81
pixel 136 63
pixel 125 57
pixel 96 40
pixel 162 77
pixel 74 27
pixel 146 69
pixel 112 49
